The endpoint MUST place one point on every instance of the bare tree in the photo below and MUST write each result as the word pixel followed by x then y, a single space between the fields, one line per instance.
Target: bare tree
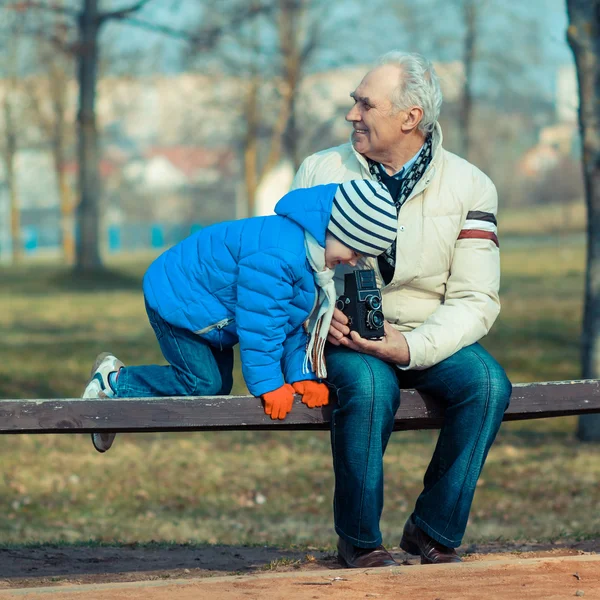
pixel 88 22
pixel 469 17
pixel 48 95
pixel 9 104
pixel 271 59
pixel 298 31
pixel 474 32
pixel 9 154
pixel 583 35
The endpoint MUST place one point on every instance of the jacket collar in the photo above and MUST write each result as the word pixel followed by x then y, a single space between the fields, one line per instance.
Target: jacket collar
pixel 429 172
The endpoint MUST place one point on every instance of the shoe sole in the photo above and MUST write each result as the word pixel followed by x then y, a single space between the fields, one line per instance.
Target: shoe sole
pixel 413 549
pixel 347 565
pixel 97 362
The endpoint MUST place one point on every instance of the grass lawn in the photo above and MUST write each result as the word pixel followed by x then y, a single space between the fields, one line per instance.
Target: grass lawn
pixel 267 487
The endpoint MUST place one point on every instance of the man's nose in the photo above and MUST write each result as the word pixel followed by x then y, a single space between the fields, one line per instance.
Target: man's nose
pixel 353 114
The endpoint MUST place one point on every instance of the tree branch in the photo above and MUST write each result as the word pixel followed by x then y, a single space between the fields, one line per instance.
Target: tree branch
pixel 122 13
pixel 164 29
pixel 207 38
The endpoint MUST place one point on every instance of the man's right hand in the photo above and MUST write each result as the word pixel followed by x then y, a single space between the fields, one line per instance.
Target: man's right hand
pixel 338 329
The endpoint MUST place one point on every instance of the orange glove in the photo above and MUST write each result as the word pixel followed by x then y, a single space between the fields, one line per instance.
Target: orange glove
pixel 278 403
pixel 313 393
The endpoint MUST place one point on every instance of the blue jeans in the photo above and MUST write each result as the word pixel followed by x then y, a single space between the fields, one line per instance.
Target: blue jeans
pixel 195 368
pixel 475 392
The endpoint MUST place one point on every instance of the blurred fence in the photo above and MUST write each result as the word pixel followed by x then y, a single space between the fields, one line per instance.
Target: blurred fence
pixel 45 237
pixel 142 236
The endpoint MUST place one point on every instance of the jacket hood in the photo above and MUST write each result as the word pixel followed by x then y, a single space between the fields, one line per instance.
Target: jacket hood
pixel 310 208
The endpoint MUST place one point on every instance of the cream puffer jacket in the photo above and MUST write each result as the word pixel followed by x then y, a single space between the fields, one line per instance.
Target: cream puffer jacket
pixel 444 293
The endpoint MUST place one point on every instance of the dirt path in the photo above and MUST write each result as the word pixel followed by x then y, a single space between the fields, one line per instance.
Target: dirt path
pixel 48 565
pixel 500 579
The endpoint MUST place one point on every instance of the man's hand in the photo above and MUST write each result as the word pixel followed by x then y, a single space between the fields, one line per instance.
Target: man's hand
pixel 392 348
pixel 338 328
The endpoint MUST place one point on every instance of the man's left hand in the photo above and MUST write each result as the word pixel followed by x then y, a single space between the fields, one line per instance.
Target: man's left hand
pixel 392 348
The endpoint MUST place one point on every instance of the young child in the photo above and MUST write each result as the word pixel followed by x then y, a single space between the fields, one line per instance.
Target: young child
pixel 255 282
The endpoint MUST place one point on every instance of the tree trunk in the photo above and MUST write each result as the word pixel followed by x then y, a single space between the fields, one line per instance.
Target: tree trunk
pixel 290 40
pixel 15 214
pixel 58 83
pixel 67 217
pixel 466 100
pixel 88 239
pixel 251 146
pixel 283 136
pixel 11 181
pixel 67 204
pixel 583 36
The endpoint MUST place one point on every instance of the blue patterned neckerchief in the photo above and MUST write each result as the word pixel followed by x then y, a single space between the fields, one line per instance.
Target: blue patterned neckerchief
pixel 400 189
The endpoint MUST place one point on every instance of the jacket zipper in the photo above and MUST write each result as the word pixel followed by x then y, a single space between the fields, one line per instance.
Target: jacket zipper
pixel 428 175
pixel 218 325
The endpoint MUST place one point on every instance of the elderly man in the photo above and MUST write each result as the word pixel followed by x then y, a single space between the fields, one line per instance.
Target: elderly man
pixel 440 296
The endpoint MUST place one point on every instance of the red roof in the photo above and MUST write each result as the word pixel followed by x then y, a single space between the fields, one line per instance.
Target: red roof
pixel 107 168
pixel 191 159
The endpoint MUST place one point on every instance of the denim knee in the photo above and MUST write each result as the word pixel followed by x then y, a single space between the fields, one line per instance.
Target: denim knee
pixel 363 383
pixel 489 384
pixel 211 388
pixel 196 386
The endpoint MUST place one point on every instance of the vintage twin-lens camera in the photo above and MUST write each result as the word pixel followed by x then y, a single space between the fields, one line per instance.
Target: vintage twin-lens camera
pixel 361 303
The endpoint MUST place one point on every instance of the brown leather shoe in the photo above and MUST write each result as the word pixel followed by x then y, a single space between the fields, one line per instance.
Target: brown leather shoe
pixel 416 541
pixel 361 558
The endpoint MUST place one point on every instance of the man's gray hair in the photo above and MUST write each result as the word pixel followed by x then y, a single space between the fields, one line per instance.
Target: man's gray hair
pixel 419 86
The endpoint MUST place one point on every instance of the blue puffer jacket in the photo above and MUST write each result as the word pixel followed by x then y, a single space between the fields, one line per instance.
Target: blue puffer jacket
pixel 248 281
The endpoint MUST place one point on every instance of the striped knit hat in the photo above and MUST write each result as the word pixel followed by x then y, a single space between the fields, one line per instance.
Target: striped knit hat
pixel 364 217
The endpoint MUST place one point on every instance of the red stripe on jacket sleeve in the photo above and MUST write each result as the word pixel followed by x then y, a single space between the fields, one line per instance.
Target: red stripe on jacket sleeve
pixel 479 234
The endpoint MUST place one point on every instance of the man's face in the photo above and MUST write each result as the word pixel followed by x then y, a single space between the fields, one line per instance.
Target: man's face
pixel 377 128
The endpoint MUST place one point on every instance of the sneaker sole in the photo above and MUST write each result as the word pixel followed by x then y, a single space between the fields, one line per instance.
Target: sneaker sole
pixel 96 443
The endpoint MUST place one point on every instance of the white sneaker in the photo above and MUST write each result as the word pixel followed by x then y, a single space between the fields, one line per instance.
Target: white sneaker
pixel 99 387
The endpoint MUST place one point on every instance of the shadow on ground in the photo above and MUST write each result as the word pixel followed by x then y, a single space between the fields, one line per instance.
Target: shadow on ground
pixel 43 565
pixel 41 280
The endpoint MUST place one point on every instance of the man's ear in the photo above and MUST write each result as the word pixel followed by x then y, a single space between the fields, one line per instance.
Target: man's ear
pixel 412 118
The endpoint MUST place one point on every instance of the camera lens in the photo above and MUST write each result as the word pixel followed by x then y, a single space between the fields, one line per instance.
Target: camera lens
pixel 373 302
pixel 375 319
pixel 339 303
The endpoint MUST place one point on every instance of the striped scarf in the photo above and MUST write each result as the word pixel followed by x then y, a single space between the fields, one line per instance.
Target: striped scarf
pixel 407 185
pixel 319 320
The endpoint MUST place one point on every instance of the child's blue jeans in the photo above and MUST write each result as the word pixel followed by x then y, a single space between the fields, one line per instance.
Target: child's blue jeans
pixel 195 368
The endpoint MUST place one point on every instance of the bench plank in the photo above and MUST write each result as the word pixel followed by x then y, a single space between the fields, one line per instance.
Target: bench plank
pixel 76 415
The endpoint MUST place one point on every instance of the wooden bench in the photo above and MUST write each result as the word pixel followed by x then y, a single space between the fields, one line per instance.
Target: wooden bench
pixel 75 415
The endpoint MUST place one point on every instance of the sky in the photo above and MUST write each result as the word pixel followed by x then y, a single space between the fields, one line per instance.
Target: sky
pixel 357 34
pixel 378 33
